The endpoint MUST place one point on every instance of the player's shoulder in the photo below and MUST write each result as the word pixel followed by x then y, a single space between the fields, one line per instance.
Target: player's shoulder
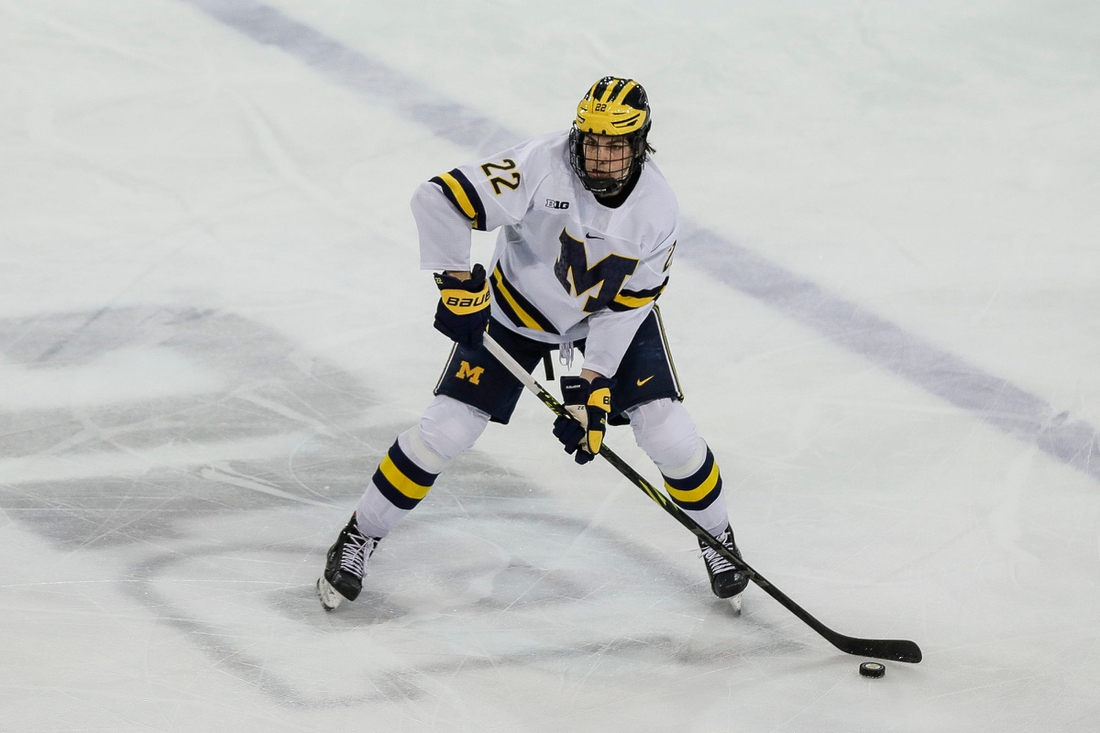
pixel 551 146
pixel 654 191
pixel 534 159
pixel 549 152
pixel 654 202
pixel 557 140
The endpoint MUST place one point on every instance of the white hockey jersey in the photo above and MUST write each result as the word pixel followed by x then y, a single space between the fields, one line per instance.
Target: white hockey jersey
pixel 565 267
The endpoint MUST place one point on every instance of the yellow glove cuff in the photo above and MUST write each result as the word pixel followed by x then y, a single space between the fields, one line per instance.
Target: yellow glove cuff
pixel 600 398
pixel 463 302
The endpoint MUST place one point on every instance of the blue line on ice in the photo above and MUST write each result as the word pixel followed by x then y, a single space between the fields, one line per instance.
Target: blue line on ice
pixel 995 401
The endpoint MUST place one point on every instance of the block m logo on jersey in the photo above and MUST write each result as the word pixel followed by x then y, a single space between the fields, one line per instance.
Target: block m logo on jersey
pixel 609 273
pixel 469 373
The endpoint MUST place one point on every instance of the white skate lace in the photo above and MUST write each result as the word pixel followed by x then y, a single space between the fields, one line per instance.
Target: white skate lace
pixel 716 563
pixel 355 552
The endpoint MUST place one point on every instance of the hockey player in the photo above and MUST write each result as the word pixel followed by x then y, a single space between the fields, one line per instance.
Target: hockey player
pixel 588 227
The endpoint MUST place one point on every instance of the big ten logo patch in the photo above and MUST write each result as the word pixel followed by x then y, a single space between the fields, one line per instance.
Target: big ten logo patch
pixel 552 204
pixel 472 374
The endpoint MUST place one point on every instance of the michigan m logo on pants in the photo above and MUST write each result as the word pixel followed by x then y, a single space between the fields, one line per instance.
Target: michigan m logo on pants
pixel 469 373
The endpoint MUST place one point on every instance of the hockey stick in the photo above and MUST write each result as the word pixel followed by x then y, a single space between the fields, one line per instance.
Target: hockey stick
pixel 898 650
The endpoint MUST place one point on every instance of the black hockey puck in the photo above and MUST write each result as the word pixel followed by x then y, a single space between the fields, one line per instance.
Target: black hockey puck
pixel 872 669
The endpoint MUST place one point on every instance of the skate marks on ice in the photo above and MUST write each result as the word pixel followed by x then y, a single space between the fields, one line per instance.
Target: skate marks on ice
pixel 452 601
pixel 139 417
pixel 208 461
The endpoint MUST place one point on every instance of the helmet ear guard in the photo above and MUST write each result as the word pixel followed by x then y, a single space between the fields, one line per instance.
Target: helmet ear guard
pixel 613 107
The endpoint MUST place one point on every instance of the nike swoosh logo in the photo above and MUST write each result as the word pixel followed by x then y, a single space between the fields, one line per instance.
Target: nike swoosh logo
pixel 643 381
pixel 592 236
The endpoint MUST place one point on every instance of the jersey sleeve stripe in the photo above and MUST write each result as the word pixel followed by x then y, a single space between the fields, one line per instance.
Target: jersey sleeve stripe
pixel 629 299
pixel 460 192
pixel 518 309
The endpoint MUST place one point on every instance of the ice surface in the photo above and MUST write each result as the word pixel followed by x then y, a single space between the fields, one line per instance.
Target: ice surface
pixel 885 312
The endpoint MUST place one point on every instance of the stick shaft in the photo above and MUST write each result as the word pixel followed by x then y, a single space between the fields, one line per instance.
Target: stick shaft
pixel 893 649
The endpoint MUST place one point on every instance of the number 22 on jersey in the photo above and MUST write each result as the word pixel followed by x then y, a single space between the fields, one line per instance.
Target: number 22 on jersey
pixel 505 165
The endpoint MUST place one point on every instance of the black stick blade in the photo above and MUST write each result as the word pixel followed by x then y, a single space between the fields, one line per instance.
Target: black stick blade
pixel 896 650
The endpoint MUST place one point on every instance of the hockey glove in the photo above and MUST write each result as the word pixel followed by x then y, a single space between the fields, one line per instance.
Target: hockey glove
pixel 463 310
pixel 589 405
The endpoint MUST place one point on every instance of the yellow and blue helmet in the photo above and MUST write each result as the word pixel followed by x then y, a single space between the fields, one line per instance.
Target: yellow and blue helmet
pixel 612 107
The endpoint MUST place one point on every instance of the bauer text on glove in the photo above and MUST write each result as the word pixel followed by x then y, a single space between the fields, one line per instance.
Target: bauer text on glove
pixel 463 309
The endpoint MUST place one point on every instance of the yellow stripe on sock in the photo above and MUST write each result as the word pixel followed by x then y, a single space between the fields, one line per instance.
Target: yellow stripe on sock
pixel 401 482
pixel 697 494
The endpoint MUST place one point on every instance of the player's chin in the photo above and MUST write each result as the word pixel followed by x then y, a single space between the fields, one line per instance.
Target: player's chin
pixel 605 176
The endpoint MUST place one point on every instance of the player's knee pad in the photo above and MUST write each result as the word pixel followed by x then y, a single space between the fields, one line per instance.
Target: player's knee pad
pixel 446 429
pixel 665 431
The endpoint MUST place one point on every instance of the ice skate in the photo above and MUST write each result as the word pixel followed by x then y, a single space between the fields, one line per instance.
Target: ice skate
pixel 345 567
pixel 725 580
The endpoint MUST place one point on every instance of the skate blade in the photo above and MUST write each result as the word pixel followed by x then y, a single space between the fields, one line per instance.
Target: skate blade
pixel 735 604
pixel 330 598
